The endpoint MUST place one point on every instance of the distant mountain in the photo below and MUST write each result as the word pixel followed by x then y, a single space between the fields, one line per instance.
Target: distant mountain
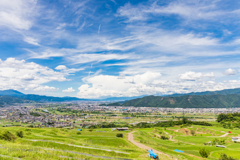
pixel 10 92
pixel 186 101
pixel 42 98
pixel 49 98
pixel 38 98
pixel 221 92
pixel 119 98
pixel 7 100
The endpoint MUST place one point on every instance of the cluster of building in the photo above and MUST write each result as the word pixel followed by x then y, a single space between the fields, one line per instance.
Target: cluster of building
pixel 23 113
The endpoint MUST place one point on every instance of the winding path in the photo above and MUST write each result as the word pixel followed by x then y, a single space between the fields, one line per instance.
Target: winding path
pixel 224 135
pixel 142 146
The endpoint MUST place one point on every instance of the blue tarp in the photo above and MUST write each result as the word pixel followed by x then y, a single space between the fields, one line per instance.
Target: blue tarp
pixel 176 150
pixel 79 129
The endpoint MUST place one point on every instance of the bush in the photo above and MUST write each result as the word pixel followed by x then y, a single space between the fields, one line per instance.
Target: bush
pixel 19 134
pixel 163 137
pixel 78 133
pixel 119 135
pixel 8 136
pixel 204 152
pixel 225 157
pixel 193 132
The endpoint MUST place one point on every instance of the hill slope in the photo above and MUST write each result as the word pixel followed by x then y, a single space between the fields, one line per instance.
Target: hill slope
pixel 39 98
pixel 221 92
pixel 6 100
pixel 187 101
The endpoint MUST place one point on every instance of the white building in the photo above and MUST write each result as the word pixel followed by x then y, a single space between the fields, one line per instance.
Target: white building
pixel 236 139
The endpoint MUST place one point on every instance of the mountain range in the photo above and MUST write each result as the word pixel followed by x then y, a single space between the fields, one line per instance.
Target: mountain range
pixel 210 99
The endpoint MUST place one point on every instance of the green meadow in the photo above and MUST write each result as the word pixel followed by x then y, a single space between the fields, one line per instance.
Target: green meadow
pixel 52 143
pixel 183 140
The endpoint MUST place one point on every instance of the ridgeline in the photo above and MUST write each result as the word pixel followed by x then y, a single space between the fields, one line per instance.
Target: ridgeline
pixel 185 101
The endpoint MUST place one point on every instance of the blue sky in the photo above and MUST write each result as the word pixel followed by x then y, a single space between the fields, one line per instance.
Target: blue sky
pixel 113 48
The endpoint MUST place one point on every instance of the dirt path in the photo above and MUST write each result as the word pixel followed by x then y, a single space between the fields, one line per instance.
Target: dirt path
pixel 170 136
pixel 224 135
pixel 140 145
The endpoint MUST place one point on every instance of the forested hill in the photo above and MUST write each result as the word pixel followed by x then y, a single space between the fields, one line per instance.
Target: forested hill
pixel 187 101
pixel 221 92
pixel 11 100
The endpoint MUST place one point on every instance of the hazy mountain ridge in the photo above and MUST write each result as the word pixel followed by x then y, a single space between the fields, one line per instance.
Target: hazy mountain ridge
pixel 187 101
pixel 7 100
pixel 210 99
pixel 38 98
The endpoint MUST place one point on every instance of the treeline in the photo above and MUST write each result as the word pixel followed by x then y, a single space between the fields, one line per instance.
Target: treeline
pixel 228 117
pixel 184 121
pixel 229 120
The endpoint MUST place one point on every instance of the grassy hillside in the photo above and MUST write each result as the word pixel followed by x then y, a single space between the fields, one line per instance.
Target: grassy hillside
pixel 65 144
pixel 187 101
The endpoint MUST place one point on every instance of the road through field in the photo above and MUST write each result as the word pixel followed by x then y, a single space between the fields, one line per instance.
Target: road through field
pixel 140 145
pixel 224 135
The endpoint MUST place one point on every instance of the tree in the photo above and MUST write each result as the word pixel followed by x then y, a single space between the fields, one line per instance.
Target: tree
pixel 119 135
pixel 192 132
pixel 204 152
pixel 184 120
pixel 19 134
pixel 225 157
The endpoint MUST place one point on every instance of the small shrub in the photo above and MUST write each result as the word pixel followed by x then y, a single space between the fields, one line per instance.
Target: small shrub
pixel 163 137
pixel 119 135
pixel 204 152
pixel 193 132
pixel 78 133
pixel 225 157
pixel 19 134
pixel 8 136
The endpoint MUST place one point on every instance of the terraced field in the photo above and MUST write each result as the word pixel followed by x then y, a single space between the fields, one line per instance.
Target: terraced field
pixel 60 143
pixel 190 144
pixel 48 143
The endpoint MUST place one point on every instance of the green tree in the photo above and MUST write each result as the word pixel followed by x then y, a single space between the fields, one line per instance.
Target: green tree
pixel 184 120
pixel 225 157
pixel 204 152
pixel 19 134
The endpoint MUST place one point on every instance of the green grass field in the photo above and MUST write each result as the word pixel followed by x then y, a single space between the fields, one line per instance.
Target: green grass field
pixel 188 143
pixel 52 143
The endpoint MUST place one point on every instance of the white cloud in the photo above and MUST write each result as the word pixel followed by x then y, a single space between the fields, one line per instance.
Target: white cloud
pixel 190 10
pixel 192 76
pixel 17 14
pixel 230 72
pixel 46 54
pixel 105 85
pixel 19 74
pixel 86 58
pixel 149 83
pixel 61 67
pixel 45 88
pixel 69 90
pixel 31 41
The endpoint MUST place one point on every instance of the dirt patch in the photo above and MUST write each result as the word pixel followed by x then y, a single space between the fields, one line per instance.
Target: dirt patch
pixel 184 131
